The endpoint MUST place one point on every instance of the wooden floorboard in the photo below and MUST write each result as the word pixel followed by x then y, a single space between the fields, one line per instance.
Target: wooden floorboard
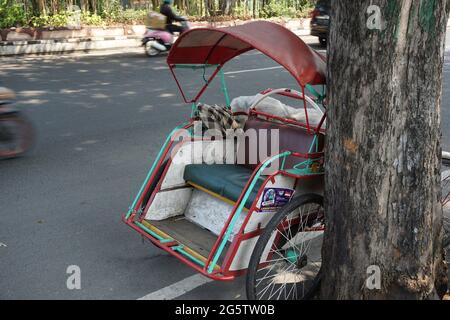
pixel 188 233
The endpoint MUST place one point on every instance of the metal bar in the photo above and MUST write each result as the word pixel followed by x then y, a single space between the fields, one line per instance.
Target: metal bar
pixel 284 120
pixel 313 143
pixel 152 170
pixel 214 276
pixel 314 91
pixel 237 212
pixel 211 78
pixel 224 88
pixel 150 232
pixel 194 66
pixel 235 245
pixel 179 85
pixel 306 111
pixel 181 250
pixel 322 121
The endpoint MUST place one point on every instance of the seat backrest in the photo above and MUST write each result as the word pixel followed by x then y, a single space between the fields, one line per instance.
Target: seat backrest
pixel 291 138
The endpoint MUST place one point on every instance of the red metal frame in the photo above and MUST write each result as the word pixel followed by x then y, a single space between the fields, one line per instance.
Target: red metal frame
pixel 172 67
pixel 166 248
pixel 224 273
pixel 317 129
pixel 232 251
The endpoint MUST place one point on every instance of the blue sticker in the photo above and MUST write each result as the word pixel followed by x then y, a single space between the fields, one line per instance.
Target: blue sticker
pixel 274 198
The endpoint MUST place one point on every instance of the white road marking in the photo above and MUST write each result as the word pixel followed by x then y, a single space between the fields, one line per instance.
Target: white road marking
pixel 178 289
pixel 253 70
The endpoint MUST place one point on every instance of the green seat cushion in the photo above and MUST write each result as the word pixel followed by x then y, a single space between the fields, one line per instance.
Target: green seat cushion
pixel 225 180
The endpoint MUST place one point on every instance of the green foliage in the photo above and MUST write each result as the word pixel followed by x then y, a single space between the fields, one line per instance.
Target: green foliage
pixel 130 16
pixel 110 10
pixel 277 9
pixel 242 12
pixel 55 20
pixel 12 14
pixel 91 19
pixel 53 13
pixel 280 9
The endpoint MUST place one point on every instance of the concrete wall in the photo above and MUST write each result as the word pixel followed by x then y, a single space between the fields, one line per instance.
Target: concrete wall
pixel 39 41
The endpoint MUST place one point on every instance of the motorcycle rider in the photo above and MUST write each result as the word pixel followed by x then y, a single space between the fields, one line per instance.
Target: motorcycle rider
pixel 171 17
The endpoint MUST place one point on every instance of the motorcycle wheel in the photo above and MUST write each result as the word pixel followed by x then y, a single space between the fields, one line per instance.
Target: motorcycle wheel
pixel 16 135
pixel 150 50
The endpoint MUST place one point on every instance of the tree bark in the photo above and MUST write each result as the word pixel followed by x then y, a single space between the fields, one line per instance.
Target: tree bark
pixel 383 150
pixel 41 7
pixel 83 5
pixel 209 8
pixel 226 6
pixel 155 4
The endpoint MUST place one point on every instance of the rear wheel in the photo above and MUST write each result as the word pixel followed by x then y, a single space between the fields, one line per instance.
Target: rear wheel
pixel 150 50
pixel 16 135
pixel 287 259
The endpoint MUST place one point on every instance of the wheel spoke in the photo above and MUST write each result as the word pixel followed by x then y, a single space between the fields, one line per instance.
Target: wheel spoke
pixel 293 258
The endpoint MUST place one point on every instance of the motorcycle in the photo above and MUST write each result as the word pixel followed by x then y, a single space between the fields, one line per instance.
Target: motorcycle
pixel 16 131
pixel 156 42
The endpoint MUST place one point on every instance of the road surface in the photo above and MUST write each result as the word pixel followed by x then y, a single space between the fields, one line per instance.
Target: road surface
pixel 101 120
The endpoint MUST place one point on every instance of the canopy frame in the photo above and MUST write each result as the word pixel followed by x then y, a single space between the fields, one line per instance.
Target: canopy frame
pixel 205 47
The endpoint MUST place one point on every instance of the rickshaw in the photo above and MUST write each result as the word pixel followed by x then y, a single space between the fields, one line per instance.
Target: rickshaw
pixel 261 216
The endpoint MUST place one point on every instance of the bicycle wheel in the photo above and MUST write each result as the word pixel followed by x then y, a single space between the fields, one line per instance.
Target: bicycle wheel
pixel 286 261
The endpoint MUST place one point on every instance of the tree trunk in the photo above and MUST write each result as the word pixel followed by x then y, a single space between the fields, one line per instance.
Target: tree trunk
pixel 41 7
pixel 209 7
pixel 383 150
pixel 155 4
pixel 226 6
pixel 93 4
pixel 83 5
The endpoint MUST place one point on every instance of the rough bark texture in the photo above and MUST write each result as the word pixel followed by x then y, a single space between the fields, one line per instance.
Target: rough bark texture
pixel 383 150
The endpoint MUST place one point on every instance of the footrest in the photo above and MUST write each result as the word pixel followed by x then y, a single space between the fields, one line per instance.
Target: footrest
pixel 184 237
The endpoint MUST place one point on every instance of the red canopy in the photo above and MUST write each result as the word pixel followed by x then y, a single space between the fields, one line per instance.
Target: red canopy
pixel 217 46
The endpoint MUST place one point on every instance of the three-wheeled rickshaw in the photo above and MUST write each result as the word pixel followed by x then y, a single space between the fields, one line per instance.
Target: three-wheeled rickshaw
pixel 256 210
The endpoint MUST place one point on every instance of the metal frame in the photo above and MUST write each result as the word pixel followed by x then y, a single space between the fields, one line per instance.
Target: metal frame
pixel 208 266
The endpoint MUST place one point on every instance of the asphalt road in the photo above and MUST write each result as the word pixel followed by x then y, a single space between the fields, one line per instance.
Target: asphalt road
pixel 101 120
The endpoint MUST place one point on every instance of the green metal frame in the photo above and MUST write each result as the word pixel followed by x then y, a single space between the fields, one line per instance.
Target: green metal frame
pixel 152 169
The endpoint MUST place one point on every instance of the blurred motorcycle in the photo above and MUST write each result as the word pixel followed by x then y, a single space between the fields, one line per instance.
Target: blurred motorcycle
pixel 156 42
pixel 16 131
